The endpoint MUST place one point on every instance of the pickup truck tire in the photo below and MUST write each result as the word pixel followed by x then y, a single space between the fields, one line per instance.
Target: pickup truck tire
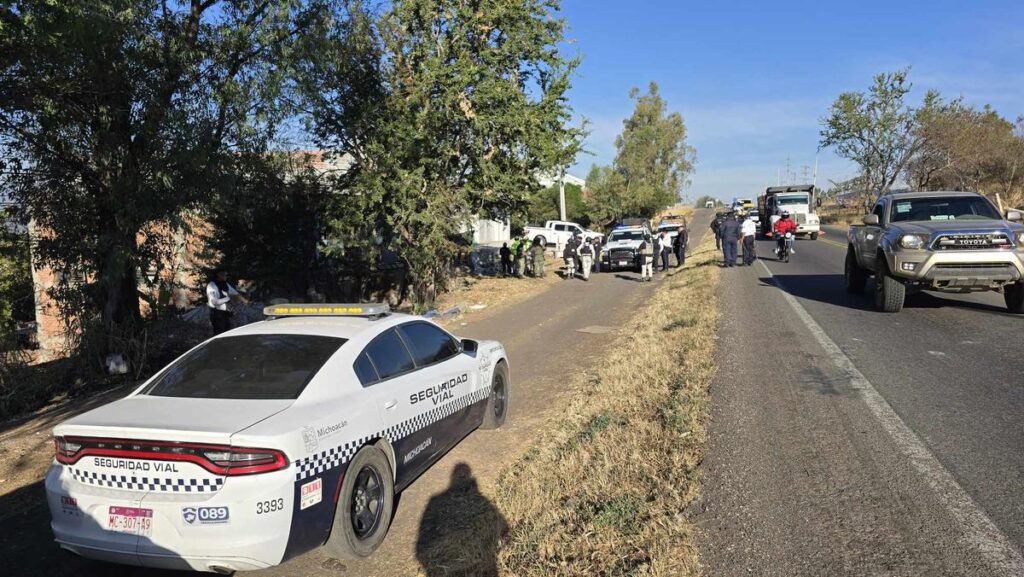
pixel 814 236
pixel 1014 296
pixel 890 293
pixel 856 277
pixel 542 241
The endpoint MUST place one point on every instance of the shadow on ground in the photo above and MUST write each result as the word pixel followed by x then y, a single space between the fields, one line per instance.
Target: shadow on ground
pixel 460 531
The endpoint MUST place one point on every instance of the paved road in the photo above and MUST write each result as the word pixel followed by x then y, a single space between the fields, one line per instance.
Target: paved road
pixel 850 442
pixel 546 348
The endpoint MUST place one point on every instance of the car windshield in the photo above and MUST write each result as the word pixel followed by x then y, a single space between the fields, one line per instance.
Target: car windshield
pixel 792 200
pixel 246 367
pixel 943 208
pixel 626 235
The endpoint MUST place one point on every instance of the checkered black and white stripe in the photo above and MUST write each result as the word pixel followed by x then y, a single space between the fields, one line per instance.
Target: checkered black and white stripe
pixel 337 456
pixel 133 483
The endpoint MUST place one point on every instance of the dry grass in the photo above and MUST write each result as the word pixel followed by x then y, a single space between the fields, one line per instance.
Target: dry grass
pixel 832 214
pixel 604 493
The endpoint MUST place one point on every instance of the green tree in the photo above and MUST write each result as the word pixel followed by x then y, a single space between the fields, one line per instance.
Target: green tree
pixel 878 129
pixel 16 292
pixel 652 163
pixel 544 205
pixel 469 105
pixel 122 113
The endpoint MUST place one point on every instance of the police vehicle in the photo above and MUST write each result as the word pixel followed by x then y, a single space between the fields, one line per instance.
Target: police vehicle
pixel 271 440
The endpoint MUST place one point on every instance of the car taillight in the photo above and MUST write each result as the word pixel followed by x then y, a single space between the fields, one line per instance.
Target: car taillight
pixel 65 450
pixel 246 461
pixel 218 459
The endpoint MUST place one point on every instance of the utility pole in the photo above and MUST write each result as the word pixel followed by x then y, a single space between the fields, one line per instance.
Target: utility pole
pixel 561 193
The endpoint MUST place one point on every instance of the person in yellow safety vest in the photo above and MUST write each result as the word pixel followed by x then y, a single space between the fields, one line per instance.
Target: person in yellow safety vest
pixel 514 248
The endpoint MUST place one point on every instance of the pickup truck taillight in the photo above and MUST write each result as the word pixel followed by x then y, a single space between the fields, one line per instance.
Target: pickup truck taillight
pixel 217 459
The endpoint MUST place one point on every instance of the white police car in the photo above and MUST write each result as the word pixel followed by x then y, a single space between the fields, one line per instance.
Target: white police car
pixel 271 440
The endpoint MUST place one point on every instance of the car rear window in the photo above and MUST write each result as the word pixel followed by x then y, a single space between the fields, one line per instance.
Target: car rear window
pixel 246 367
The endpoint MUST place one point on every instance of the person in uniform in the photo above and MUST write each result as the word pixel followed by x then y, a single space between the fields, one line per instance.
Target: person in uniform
pixel 506 259
pixel 569 256
pixel 537 251
pixel 218 294
pixel 520 253
pixel 680 246
pixel 748 230
pixel 730 237
pixel 646 261
pixel 716 227
pixel 597 254
pixel 586 252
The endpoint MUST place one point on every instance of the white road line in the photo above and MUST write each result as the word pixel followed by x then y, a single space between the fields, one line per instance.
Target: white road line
pixel 978 530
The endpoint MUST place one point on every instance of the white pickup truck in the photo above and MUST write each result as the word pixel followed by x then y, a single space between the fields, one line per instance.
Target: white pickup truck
pixel 558 232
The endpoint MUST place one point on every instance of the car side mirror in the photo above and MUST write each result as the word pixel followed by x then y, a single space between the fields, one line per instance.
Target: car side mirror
pixel 469 346
pixel 871 219
pixel 1014 215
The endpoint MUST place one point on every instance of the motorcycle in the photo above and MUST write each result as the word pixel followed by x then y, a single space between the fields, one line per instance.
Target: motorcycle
pixel 785 247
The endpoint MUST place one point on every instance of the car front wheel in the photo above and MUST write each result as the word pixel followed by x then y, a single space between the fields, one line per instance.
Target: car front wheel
pixel 1014 296
pixel 365 503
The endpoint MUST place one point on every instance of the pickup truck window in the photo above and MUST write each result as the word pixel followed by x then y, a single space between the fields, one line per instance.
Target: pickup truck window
pixel 943 208
pixel 560 227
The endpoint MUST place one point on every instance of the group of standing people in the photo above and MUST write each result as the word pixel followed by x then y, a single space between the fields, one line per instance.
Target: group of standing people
pixel 662 246
pixel 730 234
pixel 523 258
pixel 583 256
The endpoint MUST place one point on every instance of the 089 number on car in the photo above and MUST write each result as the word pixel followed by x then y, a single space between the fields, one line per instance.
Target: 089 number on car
pixel 271 506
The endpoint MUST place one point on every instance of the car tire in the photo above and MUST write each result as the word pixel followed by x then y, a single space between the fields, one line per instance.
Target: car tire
pixel 497 401
pixel 366 502
pixel 542 241
pixel 814 236
pixel 1014 296
pixel 890 294
pixel 856 277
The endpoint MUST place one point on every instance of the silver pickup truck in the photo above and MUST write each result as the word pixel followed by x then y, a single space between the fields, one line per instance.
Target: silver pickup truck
pixel 941 241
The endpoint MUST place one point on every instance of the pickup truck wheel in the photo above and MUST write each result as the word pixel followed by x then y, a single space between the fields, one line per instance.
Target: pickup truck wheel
pixel 814 236
pixel 1014 296
pixel 856 277
pixel 889 292
pixel 542 241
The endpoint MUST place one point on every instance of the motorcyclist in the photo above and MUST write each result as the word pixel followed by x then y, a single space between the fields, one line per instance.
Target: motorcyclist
pixel 782 226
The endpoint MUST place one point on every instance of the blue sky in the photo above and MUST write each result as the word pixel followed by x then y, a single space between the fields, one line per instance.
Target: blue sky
pixel 753 78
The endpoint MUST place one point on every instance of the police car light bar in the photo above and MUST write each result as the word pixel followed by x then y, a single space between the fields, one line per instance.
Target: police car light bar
pixel 327 310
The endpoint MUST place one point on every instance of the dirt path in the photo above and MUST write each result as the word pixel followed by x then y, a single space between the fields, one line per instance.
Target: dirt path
pixel 551 339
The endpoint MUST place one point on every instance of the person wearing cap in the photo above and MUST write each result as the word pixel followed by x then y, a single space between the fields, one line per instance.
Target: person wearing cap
pixel 586 252
pixel 730 237
pixel 569 256
pixel 748 230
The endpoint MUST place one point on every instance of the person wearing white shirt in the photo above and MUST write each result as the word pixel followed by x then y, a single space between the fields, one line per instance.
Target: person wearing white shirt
pixel 748 230
pixel 218 294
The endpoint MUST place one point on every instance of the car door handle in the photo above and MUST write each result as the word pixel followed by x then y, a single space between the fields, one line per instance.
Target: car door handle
pixel 389 405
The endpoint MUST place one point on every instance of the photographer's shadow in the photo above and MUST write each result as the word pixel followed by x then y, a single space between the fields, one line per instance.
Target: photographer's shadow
pixel 461 530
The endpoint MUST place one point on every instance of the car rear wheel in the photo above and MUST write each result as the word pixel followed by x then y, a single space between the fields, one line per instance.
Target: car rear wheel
pixel 497 402
pixel 542 241
pixel 890 293
pixel 365 504
pixel 814 236
pixel 856 278
pixel 1014 296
